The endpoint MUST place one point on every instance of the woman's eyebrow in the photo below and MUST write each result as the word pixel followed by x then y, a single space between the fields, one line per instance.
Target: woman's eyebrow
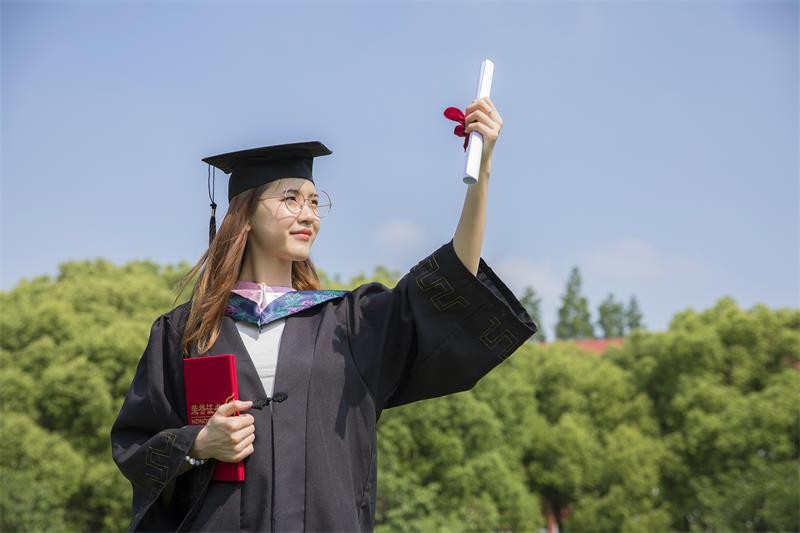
pixel 301 192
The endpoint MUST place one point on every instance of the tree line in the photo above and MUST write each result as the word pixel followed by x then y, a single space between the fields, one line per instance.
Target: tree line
pixel 693 428
pixel 615 318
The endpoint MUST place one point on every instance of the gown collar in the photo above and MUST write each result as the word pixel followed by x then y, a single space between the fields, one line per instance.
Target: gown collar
pixel 260 293
pixel 260 304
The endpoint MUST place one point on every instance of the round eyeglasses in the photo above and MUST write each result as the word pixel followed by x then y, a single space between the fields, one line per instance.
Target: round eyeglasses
pixel 320 203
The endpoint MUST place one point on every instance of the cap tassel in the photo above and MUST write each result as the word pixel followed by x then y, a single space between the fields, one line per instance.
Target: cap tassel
pixel 212 224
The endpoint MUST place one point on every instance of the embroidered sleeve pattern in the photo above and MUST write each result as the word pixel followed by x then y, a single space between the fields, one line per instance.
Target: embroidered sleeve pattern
pixel 435 285
pixel 157 460
pixel 500 342
pixel 431 276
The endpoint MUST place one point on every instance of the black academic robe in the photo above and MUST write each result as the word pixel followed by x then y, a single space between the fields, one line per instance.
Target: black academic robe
pixel 340 363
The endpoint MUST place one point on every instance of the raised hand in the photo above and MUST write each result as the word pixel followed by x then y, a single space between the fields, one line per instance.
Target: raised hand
pixel 483 117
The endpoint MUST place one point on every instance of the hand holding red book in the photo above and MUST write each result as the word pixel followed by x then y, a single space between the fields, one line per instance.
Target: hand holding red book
pixel 226 437
pixel 211 387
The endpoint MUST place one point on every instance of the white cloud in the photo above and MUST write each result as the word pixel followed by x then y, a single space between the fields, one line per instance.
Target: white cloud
pixel 518 272
pixel 400 234
pixel 402 243
pixel 634 262
pixel 662 282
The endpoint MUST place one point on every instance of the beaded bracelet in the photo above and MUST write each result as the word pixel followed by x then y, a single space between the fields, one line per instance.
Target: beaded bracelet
pixel 195 462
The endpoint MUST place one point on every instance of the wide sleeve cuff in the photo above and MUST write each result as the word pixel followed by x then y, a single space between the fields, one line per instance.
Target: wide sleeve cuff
pixel 438 331
pixel 481 304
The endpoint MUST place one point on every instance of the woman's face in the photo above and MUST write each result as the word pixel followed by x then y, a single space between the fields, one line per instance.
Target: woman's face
pixel 276 231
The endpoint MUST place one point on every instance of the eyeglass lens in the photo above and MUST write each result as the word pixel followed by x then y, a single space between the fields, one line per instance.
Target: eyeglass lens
pixel 320 205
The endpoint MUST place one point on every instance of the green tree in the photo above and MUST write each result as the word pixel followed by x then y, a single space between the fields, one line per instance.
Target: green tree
pixel 585 407
pixel 69 347
pixel 723 384
pixel 442 467
pixel 41 474
pixel 612 318
pixel 381 274
pixel 633 316
pixel 574 320
pixel 690 429
pixel 532 304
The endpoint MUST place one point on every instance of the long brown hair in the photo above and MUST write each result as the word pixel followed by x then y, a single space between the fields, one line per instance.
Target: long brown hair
pixel 219 269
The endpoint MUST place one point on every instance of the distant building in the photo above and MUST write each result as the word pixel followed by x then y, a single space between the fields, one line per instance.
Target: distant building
pixel 595 346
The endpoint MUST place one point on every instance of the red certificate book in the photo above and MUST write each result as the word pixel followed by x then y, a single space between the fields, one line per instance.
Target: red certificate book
pixel 210 381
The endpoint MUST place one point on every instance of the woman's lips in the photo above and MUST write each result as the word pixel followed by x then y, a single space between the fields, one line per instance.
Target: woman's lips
pixel 304 236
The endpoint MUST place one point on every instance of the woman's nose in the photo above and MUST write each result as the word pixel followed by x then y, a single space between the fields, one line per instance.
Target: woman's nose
pixel 303 211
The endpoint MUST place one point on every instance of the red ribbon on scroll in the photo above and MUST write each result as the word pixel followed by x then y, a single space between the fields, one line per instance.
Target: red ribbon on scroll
pixel 454 113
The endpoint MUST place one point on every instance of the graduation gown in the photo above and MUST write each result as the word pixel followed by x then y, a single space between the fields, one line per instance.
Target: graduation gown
pixel 340 363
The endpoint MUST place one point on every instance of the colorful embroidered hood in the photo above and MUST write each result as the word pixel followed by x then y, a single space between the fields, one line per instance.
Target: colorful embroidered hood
pixel 247 302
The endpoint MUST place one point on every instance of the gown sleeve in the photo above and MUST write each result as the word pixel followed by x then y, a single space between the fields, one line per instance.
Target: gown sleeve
pixel 438 331
pixel 149 438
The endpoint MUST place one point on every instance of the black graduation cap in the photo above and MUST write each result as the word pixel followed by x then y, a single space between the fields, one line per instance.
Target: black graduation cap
pixel 258 166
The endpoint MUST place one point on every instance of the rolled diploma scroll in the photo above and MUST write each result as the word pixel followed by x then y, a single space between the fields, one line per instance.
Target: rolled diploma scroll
pixel 475 146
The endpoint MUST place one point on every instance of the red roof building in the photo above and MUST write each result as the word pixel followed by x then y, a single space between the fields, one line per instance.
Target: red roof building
pixel 596 346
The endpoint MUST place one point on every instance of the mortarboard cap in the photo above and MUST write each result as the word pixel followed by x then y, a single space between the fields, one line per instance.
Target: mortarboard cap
pixel 259 166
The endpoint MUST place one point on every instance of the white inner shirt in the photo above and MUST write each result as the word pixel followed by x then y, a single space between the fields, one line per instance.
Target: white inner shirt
pixel 262 346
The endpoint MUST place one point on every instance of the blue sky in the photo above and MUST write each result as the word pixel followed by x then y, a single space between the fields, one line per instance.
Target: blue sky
pixel 654 145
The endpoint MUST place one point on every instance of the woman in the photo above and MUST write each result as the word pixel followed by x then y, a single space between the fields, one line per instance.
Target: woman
pixel 323 364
